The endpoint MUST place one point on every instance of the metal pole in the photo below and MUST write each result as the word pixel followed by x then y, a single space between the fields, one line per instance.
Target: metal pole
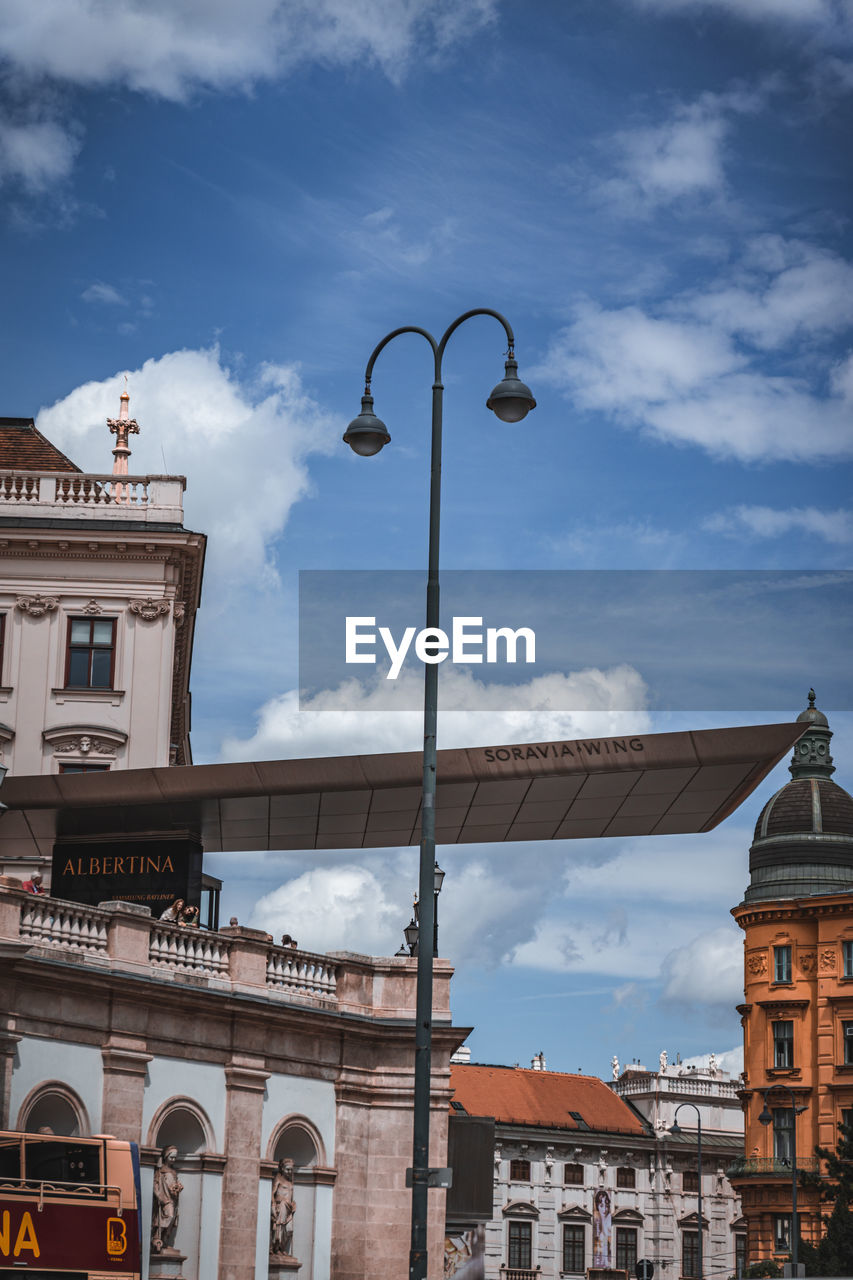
pixel 426 875
pixel 426 879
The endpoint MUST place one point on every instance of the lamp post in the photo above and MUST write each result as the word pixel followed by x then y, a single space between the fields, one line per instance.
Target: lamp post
pixel 675 1130
pixel 511 400
pixel 766 1117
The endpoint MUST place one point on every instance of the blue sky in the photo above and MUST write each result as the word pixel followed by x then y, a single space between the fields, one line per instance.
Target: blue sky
pixel 232 206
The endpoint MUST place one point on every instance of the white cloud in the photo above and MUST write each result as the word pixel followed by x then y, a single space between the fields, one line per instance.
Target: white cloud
pixel 707 970
pixel 829 18
pixel 344 908
pixel 360 718
pixel 37 153
pixel 769 522
pixel 710 367
pixel 682 157
pixel 200 419
pixel 730 1060
pixel 106 293
pixel 171 47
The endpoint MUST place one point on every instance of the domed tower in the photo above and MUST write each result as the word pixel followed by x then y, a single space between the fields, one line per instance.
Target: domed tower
pixel 797 917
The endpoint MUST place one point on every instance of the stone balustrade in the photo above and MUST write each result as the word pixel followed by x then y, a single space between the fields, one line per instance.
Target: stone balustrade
pixel 72 494
pixel 124 937
pixel 680 1085
pixel 50 922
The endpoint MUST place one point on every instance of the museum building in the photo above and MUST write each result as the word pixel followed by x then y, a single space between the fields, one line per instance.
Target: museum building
pixel 238 1052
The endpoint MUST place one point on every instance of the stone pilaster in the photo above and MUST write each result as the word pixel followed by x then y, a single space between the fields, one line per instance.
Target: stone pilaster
pixel 8 1042
pixel 125 1062
pixel 245 1078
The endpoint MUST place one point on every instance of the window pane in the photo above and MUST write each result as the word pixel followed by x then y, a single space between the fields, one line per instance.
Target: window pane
pixel 80 631
pixel 101 663
pixel 848 1042
pixel 103 633
pixel 783 964
pixel 573 1249
pixel 626 1177
pixel 626 1249
pixel 690 1253
pixel 78 667
pixel 740 1253
pixel 783 1044
pixel 519 1244
pixel 573 1175
pixel 847 956
pixel 782 1143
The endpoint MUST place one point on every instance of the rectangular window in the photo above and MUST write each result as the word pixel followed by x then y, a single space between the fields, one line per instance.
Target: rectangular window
pixel 847 1117
pixel 626 1249
pixel 626 1178
pixel 91 653
pixel 573 1175
pixel 84 768
pixel 520 1240
pixel 690 1182
pixel 519 1170
pixel 690 1253
pixel 781 1233
pixel 847 1028
pixel 783 1145
pixel 740 1253
pixel 846 952
pixel 782 964
pixel 574 1248
pixel 783 1044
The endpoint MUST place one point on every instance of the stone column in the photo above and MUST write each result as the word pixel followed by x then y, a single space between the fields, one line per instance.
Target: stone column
pixel 8 1042
pixel 245 1079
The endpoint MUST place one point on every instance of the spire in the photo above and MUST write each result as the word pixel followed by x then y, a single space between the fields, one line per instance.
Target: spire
pixel 122 427
pixel 811 758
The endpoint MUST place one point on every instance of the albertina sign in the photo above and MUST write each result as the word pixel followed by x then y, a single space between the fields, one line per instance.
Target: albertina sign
pixel 465 645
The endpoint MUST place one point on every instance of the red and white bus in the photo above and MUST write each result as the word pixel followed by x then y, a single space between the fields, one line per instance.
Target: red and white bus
pixel 69 1208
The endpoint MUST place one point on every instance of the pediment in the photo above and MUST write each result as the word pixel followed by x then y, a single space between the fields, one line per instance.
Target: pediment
pixel 574 1213
pixel 627 1215
pixel 520 1209
pixel 690 1221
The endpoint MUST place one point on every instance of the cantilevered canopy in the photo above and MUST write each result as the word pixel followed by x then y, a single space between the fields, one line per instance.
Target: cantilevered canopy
pixel 651 784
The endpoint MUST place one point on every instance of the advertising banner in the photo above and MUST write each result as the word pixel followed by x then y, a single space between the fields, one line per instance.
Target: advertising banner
pixel 152 873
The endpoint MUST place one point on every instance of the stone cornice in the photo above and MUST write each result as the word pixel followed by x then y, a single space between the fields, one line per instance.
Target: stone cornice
pixel 128 1062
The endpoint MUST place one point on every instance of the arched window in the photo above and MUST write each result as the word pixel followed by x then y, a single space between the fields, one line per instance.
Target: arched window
pixel 55 1107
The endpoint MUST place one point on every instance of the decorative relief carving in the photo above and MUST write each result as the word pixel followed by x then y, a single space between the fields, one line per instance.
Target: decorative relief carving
pixel 93 607
pixel 757 964
pixel 35 606
pixel 808 961
pixel 84 744
pixel 178 611
pixel 827 959
pixel 84 740
pixel 149 609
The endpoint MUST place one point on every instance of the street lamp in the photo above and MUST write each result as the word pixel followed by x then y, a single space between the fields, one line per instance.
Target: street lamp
pixel 766 1117
pixel 511 400
pixel 675 1130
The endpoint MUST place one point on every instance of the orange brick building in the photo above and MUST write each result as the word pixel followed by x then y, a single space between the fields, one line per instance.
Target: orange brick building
pixel 797 917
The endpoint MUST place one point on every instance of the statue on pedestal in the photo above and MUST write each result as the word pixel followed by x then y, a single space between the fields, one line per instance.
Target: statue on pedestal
pixel 282 1209
pixel 164 1208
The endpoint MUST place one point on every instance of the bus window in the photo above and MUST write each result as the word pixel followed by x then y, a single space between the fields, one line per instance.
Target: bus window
pixel 10 1159
pixel 58 1160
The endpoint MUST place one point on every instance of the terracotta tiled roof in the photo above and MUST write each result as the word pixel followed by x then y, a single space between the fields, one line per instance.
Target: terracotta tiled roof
pixel 24 448
pixel 515 1095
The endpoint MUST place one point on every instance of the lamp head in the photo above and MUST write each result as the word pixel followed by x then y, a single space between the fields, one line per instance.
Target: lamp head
pixel 766 1116
pixel 438 880
pixel 511 399
pixel 366 434
pixel 675 1129
pixel 410 933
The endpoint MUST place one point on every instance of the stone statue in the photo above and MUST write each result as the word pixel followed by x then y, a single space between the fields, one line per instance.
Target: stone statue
pixel 712 1064
pixel 663 1061
pixel 614 1063
pixel 282 1209
pixel 164 1208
